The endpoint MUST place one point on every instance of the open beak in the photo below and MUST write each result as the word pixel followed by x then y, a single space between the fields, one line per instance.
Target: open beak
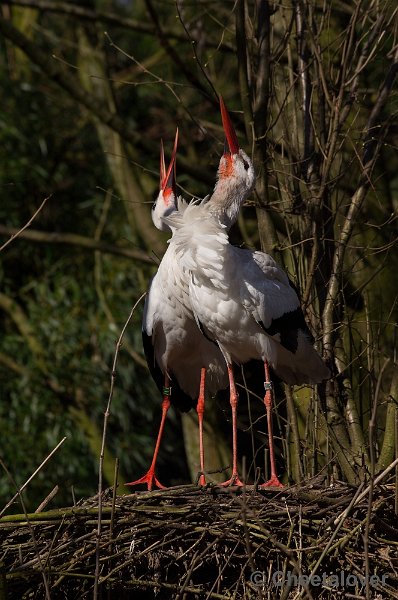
pixel 231 145
pixel 168 178
pixel 162 166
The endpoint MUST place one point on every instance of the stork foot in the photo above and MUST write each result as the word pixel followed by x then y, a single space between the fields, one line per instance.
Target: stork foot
pixel 150 479
pixel 273 482
pixel 235 480
pixel 202 481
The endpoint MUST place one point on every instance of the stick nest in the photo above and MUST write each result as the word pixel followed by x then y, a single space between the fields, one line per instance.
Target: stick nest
pixel 187 542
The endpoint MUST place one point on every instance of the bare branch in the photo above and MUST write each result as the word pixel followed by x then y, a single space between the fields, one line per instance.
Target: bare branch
pixel 73 239
pixel 39 468
pixel 102 452
pixel 68 82
pixel 19 232
pixel 87 14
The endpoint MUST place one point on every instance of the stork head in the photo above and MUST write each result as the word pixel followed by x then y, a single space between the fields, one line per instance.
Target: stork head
pixel 166 202
pixel 236 177
pixel 235 165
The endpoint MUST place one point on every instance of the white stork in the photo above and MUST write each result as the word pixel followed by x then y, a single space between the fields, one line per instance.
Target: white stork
pixel 242 299
pixel 183 363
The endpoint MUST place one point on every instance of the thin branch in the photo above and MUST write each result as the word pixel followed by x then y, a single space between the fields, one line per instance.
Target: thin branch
pixel 389 439
pixel 47 499
pixel 338 524
pixel 69 83
pixel 181 63
pixel 39 468
pixel 102 452
pixel 73 239
pixel 19 231
pixel 365 492
pixel 32 534
pixel 87 14
pixel 373 140
pixel 243 67
pixel 193 45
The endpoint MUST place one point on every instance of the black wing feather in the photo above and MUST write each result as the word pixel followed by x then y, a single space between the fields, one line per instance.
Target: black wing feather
pixel 178 397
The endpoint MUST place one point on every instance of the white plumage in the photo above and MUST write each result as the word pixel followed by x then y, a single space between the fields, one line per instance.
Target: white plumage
pixel 242 299
pixel 184 364
pixel 180 350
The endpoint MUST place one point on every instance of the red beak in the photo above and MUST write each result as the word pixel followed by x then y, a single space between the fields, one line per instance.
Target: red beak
pixel 167 178
pixel 229 130
pixel 162 166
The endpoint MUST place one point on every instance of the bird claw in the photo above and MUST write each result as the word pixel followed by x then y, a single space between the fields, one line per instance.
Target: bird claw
pixel 202 481
pixel 234 481
pixel 150 479
pixel 273 482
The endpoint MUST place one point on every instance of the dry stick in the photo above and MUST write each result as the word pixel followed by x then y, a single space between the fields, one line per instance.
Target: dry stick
pixel 181 591
pixel 13 236
pixel 74 239
pixel 19 493
pixel 396 461
pixel 365 492
pixel 102 453
pixel 111 525
pixel 372 144
pixel 175 586
pixel 100 16
pixel 339 521
pixel 20 490
pixel 115 484
pixel 47 499
pixel 193 46
pixel 372 426
pixel 244 517
pixel 175 57
pixel 98 276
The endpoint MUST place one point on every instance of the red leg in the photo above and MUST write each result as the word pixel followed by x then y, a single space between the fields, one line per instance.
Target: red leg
pixel 200 409
pixel 233 398
pixel 150 478
pixel 273 481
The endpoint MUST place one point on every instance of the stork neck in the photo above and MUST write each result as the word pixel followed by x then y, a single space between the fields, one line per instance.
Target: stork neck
pixel 225 206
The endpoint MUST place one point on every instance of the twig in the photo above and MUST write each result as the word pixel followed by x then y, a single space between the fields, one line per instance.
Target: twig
pixel 396 460
pixel 98 275
pixel 366 491
pixel 193 44
pixel 114 492
pixel 372 427
pixel 102 453
pixel 86 14
pixel 39 468
pixel 74 239
pixel 47 499
pixel 68 82
pixel 19 493
pixel 19 231
pixel 338 522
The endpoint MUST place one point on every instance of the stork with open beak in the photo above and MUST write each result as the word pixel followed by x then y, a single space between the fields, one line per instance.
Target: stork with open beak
pixel 242 299
pixel 183 363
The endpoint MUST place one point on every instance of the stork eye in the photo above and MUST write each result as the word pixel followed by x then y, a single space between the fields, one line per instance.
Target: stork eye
pixel 245 164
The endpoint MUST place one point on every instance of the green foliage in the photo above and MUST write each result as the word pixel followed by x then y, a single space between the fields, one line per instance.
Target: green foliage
pixel 47 146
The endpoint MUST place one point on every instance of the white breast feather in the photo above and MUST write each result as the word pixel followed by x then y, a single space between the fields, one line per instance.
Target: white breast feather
pixel 234 290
